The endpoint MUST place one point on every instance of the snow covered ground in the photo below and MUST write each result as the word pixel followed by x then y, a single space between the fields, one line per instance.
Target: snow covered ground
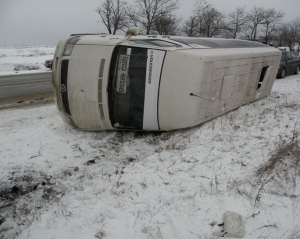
pixel 57 182
pixel 24 59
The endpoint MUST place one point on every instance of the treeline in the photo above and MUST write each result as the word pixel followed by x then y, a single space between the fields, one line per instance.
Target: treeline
pixel 158 17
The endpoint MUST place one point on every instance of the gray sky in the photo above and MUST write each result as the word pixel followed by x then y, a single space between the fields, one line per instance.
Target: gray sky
pixel 42 22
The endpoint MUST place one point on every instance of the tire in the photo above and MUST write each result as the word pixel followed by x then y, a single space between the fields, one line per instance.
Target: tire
pixel 282 73
pixel 297 70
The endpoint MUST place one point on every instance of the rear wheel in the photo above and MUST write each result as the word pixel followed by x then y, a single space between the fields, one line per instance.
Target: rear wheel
pixel 297 71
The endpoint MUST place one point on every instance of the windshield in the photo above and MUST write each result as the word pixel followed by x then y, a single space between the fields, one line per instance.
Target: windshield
pixel 127 87
pixel 134 79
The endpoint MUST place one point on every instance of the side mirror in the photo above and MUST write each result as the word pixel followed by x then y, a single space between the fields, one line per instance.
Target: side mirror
pixel 132 31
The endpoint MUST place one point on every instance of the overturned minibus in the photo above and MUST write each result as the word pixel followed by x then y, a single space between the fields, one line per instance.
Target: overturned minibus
pixel 157 83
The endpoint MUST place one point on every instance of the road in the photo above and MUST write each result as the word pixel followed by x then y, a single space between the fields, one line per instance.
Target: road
pixel 21 87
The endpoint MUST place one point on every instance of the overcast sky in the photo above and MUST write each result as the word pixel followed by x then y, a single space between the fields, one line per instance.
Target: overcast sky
pixel 42 22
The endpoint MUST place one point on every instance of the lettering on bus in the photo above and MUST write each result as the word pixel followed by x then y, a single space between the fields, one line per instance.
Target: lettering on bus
pixel 150 67
pixel 122 73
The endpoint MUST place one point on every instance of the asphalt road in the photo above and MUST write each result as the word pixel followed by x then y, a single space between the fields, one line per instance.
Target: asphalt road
pixel 19 87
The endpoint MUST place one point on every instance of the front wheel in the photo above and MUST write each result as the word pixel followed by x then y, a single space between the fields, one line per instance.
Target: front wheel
pixel 297 71
pixel 282 74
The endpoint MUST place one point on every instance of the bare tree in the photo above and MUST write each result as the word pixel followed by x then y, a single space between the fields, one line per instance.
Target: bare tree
pixel 147 12
pixel 113 15
pixel 200 9
pixel 254 19
pixel 167 25
pixel 194 26
pixel 213 22
pixel 133 18
pixel 190 26
pixel 270 22
pixel 293 35
pixel 236 21
pixel 205 21
pixel 280 35
pixel 296 22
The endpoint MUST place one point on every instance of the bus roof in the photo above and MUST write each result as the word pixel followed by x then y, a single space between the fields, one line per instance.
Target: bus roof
pixel 167 41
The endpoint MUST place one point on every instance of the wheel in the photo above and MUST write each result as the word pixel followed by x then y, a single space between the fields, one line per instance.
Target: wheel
pixel 283 72
pixel 297 71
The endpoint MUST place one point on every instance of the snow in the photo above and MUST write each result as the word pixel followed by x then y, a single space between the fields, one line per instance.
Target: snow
pixel 25 59
pixel 75 184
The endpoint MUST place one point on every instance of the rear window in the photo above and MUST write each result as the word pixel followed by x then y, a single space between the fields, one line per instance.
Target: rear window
pixel 283 57
pixel 289 56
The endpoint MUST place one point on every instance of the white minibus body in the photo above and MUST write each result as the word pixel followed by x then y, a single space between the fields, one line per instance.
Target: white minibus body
pixel 105 82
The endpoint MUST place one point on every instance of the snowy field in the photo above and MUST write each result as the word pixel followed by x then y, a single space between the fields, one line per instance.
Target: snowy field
pixel 57 182
pixel 25 59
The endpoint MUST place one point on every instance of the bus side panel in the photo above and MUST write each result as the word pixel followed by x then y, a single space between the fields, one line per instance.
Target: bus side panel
pixel 198 85
pixel 180 77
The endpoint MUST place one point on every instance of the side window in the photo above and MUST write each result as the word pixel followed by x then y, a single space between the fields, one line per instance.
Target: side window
pixel 289 56
pixel 155 42
pixel 164 43
pixel 144 42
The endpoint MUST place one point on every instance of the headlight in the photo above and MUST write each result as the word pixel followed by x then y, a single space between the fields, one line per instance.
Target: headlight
pixel 70 45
